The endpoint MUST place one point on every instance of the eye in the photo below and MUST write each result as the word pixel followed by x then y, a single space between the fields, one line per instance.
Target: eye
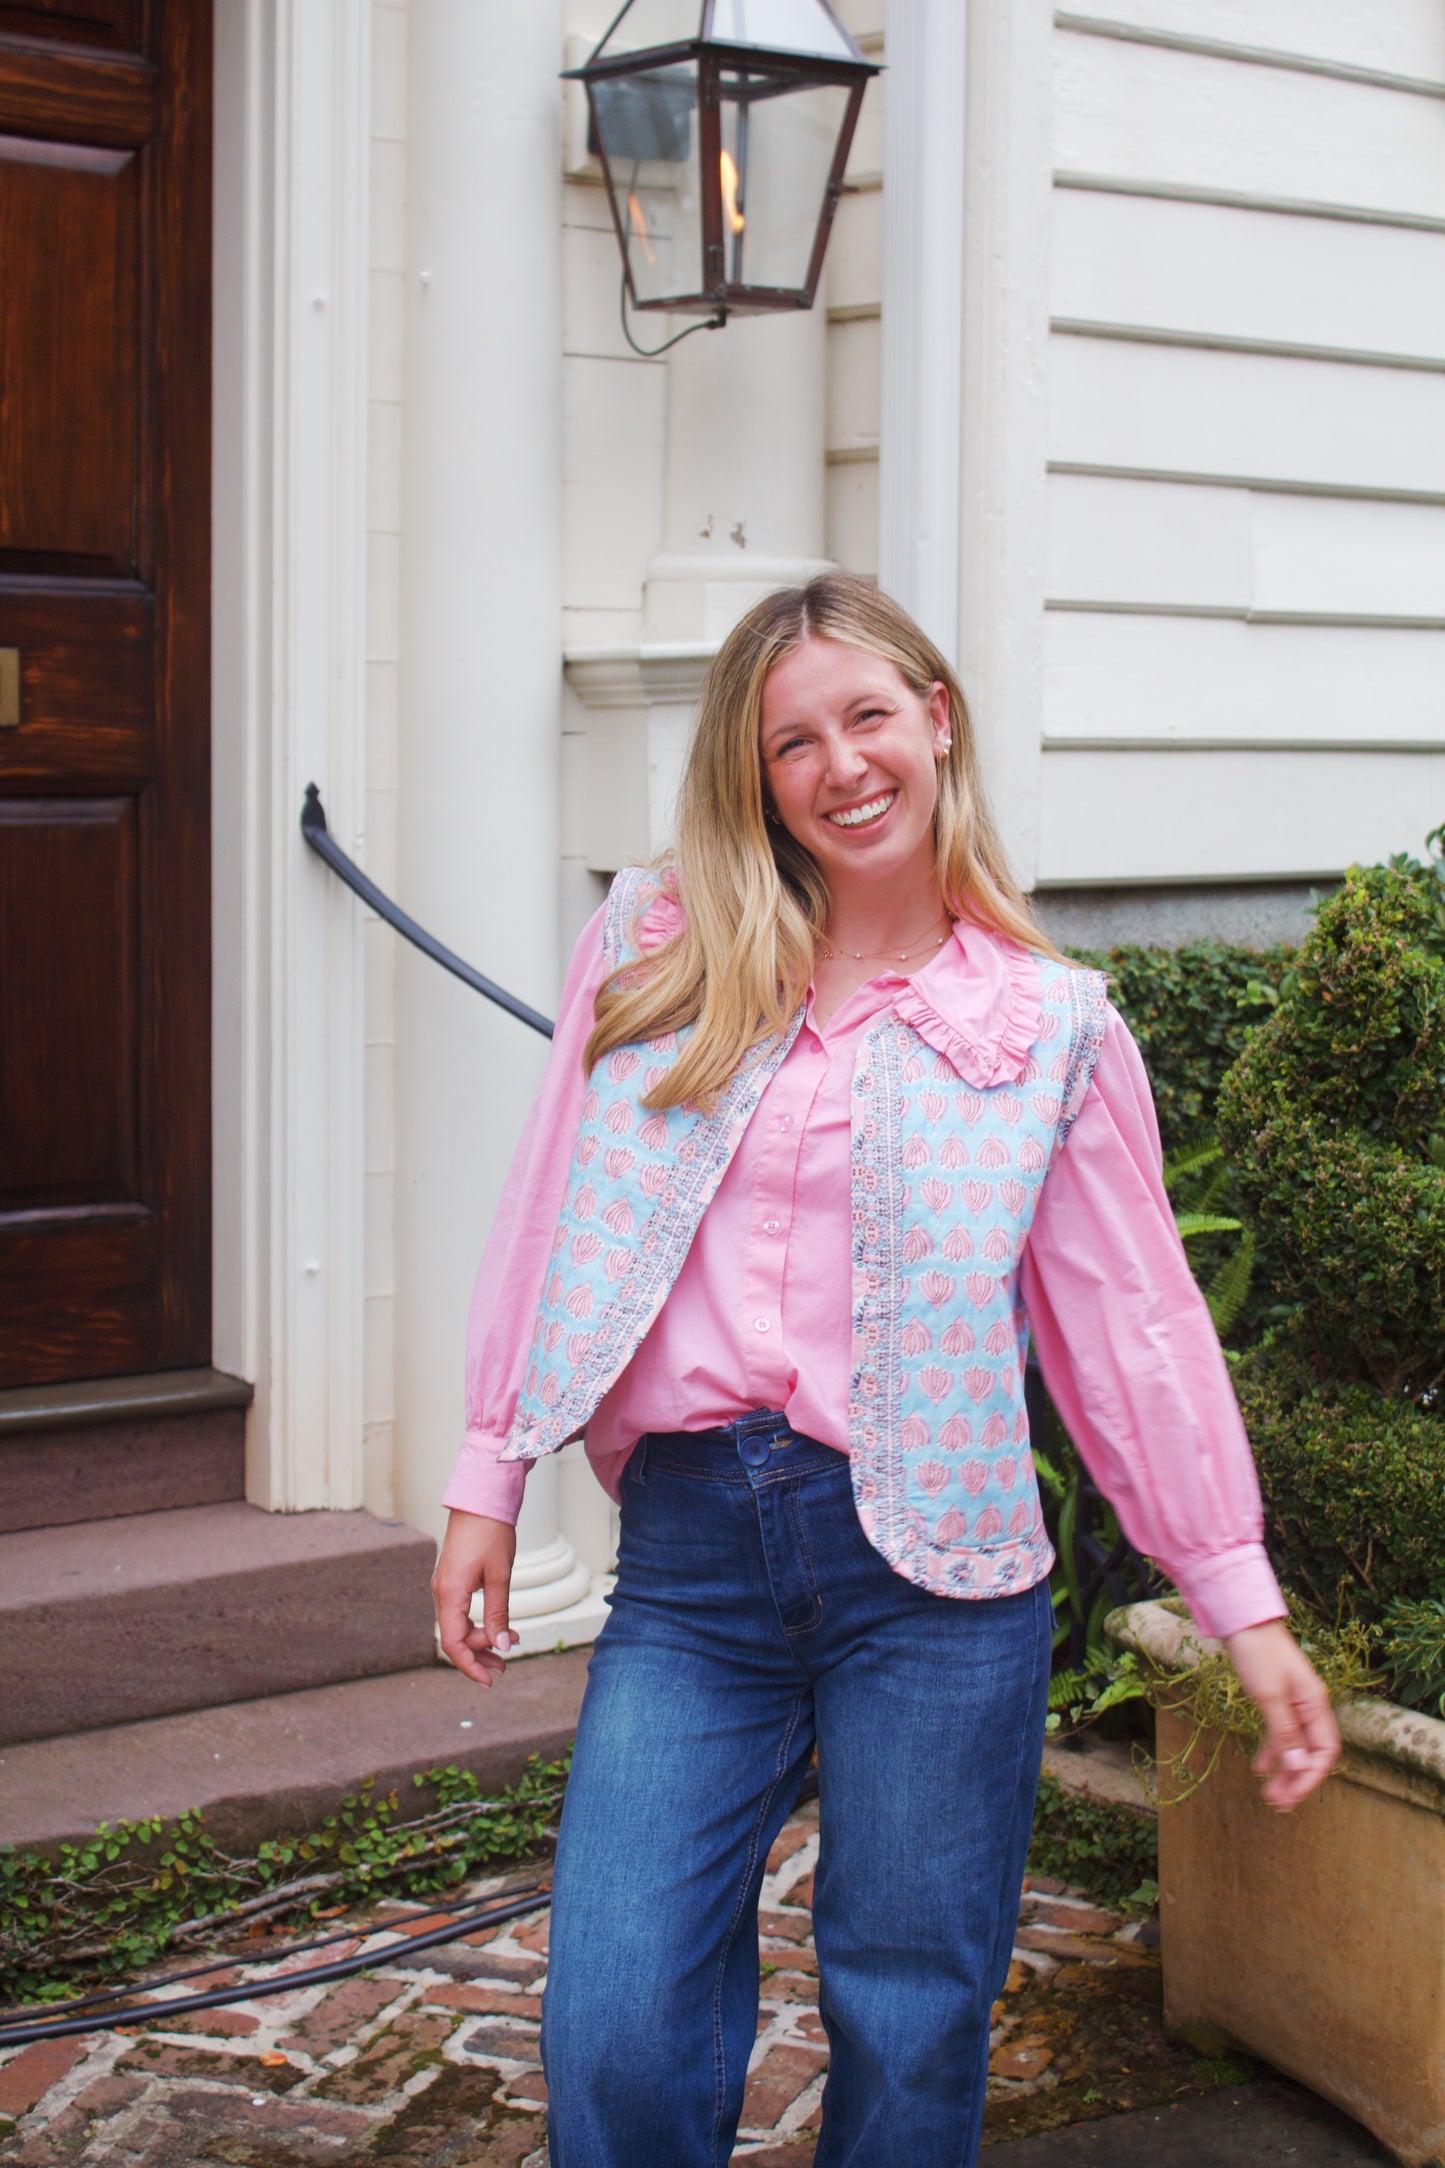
pixel 869 715
pixel 788 745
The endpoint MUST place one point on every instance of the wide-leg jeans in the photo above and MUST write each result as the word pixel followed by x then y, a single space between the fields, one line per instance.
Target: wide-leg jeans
pixel 751 1619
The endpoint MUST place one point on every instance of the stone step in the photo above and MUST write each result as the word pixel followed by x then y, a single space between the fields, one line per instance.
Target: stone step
pixel 110 1446
pixel 109 1622
pixel 255 1768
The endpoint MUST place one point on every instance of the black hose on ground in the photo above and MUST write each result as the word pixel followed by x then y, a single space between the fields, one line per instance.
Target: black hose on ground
pixel 16 2036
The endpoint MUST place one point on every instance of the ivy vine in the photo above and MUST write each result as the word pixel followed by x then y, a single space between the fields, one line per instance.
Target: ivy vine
pixel 114 1904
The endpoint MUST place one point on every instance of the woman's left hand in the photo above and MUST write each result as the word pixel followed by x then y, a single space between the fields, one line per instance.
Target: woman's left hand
pixel 1301 1737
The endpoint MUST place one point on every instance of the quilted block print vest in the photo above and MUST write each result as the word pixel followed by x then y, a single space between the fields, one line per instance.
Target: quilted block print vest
pixel 945 1177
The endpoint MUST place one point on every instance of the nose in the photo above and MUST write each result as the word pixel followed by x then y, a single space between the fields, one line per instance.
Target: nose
pixel 847 761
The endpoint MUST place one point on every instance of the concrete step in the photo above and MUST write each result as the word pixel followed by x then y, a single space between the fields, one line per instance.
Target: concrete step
pixel 112 1446
pixel 255 1768
pixel 108 1622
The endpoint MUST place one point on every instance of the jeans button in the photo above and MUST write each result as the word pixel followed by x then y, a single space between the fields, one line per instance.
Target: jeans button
pixel 753 1450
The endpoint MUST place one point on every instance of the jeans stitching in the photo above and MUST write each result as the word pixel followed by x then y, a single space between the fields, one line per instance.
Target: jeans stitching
pixel 795 1515
pixel 730 1937
pixel 662 1466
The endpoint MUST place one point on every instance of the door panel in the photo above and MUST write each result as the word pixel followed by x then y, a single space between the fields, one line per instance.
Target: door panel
pixel 105 218
pixel 69 425
pixel 69 1099
pixel 88 692
pixel 86 22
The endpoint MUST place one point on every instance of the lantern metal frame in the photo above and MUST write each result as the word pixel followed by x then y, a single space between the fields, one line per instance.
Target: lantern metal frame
pixel 780 71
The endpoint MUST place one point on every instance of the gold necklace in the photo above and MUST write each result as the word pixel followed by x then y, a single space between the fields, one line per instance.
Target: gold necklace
pixel 879 956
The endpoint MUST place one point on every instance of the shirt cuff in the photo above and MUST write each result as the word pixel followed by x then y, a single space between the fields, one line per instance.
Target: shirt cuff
pixel 481 1483
pixel 1233 1589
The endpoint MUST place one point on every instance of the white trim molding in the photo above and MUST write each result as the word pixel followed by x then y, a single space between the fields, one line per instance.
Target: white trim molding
pixel 637 705
pixel 922 330
pixel 1004 432
pixel 292 187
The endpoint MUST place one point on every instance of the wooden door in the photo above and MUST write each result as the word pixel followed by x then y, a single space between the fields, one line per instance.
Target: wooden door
pixel 105 400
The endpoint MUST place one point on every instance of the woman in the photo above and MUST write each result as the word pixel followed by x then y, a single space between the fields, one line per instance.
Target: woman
pixel 828 1127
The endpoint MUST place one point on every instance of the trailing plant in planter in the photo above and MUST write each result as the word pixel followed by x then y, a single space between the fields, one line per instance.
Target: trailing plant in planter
pixel 1334 1119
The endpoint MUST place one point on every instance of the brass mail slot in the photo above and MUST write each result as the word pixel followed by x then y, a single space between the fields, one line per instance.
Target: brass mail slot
pixel 9 687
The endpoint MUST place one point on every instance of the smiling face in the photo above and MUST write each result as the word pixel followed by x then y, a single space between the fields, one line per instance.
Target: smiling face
pixel 850 763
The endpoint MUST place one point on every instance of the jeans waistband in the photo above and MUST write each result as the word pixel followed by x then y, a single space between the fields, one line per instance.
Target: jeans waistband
pixel 762 1443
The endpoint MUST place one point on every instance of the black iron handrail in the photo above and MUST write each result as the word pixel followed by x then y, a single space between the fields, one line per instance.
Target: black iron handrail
pixel 326 847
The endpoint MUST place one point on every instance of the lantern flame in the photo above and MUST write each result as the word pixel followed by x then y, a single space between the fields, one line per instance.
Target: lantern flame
pixel 639 226
pixel 735 218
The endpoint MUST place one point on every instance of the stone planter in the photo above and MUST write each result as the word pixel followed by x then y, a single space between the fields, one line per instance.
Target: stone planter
pixel 1315 1939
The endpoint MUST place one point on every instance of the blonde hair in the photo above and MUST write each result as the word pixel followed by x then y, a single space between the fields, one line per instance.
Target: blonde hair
pixel 753 900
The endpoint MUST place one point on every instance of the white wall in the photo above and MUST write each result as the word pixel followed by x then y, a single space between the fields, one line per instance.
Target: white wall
pixel 1244 601
pixel 1202 596
pixel 385 389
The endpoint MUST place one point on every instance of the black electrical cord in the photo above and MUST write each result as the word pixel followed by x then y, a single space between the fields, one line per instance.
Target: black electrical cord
pixel 462 1924
pixel 650 353
pixel 17 2036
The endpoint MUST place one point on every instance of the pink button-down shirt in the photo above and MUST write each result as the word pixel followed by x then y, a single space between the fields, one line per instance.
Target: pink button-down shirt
pixel 760 1314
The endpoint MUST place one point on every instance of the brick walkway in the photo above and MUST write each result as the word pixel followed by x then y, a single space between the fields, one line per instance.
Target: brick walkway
pixel 431 2061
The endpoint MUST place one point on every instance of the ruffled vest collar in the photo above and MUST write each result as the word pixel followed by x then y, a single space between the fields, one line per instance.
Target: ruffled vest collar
pixel 978 1003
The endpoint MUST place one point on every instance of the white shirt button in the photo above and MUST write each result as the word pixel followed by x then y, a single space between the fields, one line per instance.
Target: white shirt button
pixel 785 1121
pixel 760 1324
pixel 770 1227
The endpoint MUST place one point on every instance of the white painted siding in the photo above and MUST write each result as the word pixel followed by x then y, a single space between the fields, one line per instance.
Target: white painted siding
pixel 1392 37
pixel 1150 113
pixel 1216 270
pixel 1186 410
pixel 1243 549
pixel 1225 679
pixel 1198 816
pixel 852 291
pixel 1244 607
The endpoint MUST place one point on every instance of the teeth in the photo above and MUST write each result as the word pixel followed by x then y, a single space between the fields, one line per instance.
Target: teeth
pixel 856 815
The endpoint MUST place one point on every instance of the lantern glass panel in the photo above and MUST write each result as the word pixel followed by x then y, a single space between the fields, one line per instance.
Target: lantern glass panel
pixel 779 138
pixel 651 22
pixel 788 26
pixel 647 127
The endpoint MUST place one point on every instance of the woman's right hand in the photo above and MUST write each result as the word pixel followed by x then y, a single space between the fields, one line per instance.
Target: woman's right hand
pixel 476 1553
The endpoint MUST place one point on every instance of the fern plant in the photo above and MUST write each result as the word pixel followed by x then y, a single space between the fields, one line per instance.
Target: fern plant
pixel 1412 1647
pixel 1197 1179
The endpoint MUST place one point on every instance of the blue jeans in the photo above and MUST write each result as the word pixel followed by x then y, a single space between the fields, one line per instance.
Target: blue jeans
pixel 752 1618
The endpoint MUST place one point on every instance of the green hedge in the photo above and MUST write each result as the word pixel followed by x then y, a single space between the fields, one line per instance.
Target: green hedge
pixel 1353 1482
pixel 1190 1009
pixel 1334 1120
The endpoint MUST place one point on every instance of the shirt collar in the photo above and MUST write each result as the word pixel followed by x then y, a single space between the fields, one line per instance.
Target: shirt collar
pixel 978 1003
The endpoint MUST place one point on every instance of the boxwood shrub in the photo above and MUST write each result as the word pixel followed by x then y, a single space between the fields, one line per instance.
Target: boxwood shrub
pixel 1334 1118
pixel 1353 1482
pixel 1190 1010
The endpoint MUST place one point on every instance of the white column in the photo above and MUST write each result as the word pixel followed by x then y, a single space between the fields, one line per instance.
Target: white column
pixel 1004 422
pixel 918 457
pixel 293 115
pixel 478 742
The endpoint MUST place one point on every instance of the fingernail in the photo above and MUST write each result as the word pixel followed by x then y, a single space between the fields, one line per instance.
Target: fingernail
pixel 504 1641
